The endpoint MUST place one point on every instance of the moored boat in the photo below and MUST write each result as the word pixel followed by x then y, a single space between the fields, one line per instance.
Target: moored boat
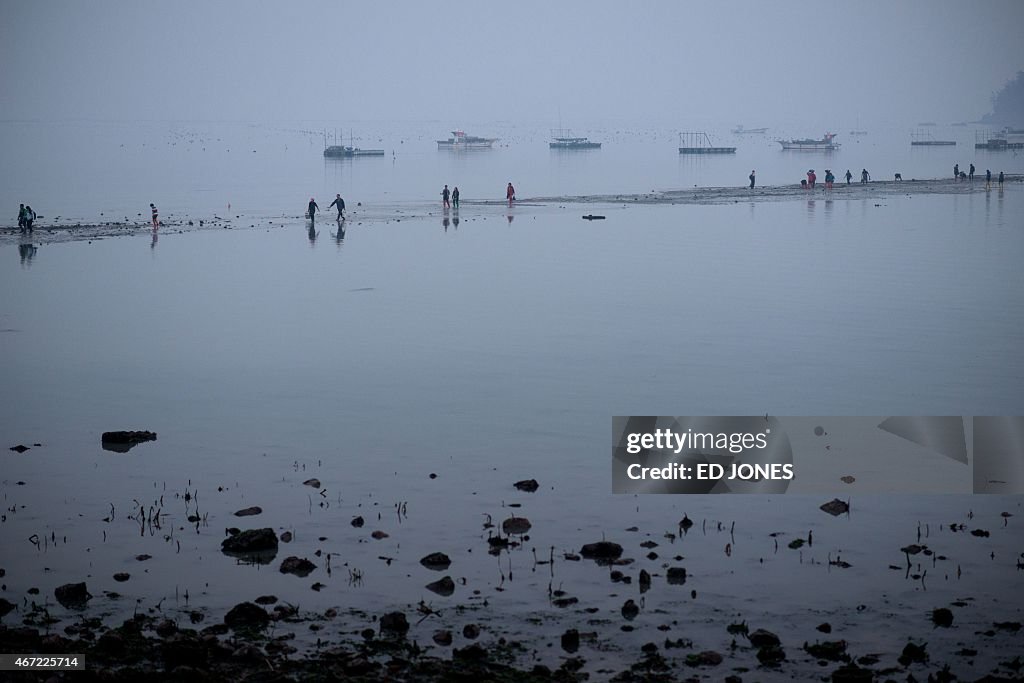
pixel 459 140
pixel 562 138
pixel 826 143
pixel 740 130
pixel 344 151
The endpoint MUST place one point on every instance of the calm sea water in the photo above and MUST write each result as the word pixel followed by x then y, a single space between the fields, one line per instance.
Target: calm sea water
pixel 485 353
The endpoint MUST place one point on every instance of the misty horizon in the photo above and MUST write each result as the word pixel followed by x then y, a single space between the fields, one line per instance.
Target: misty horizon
pixel 574 63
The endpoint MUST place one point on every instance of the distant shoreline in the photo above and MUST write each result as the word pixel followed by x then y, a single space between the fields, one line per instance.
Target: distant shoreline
pixel 75 231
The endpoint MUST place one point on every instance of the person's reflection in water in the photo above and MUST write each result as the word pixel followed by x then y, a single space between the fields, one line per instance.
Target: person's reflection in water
pixel 510 217
pixel 444 222
pixel 455 220
pixel 339 237
pixel 27 252
pixel 312 233
pixel 156 236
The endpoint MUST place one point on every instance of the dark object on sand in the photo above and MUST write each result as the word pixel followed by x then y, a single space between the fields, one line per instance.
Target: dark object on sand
pixel 249 512
pixel 630 610
pixel 676 575
pixel 121 577
pixel 394 623
pixel 528 485
pixel 851 673
pixel 357 522
pixel 592 217
pixel 297 566
pixel 20 448
pixel 443 587
pixel 602 550
pixel 5 607
pixel 516 525
pixel 436 561
pixel 72 595
pixel 836 507
pixel 246 615
pixel 251 541
pixel 314 482
pixel 913 653
pixel 942 617
pixel 571 640
pixel 762 638
pixel 122 442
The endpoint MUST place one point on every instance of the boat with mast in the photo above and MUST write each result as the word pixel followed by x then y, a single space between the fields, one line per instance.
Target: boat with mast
pixel 562 138
pixel 347 151
pixel 825 144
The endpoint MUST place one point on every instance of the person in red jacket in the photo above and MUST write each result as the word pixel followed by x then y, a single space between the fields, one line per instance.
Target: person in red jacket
pixel 510 194
pixel 810 179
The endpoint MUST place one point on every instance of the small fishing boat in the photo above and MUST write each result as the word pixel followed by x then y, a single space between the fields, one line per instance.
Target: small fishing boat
pixel 564 139
pixel 459 140
pixel 825 144
pixel 344 151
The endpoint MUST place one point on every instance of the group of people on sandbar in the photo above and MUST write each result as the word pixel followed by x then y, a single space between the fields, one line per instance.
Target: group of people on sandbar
pixel 959 175
pixel 26 216
pixel 338 203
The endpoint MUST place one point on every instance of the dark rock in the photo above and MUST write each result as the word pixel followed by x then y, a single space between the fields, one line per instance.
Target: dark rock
pixel 528 485
pixel 266 600
pixel 516 525
pixel 851 673
pixel 832 650
pixel 286 537
pixel 980 533
pixel 912 549
pixel 602 550
pixel 249 512
pixel 571 640
pixel 314 482
pixel 436 562
pixel 644 580
pixel 942 617
pixel 122 442
pixel 471 631
pixel 357 522
pixel 825 628
pixel 143 557
pixel 564 602
pixel 706 658
pixel 378 535
pixel 72 595
pixel 648 544
pixel 182 649
pixel 762 638
pixel 297 566
pixel 835 507
pixel 913 654
pixel 121 577
pixel 246 615
pixel 630 610
pixel 771 655
pixel 470 653
pixel 368 634
pixel 166 628
pixel 676 575
pixel 444 587
pixel 5 607
pixel 443 638
pixel 251 541
pixel 20 448
pixel 394 623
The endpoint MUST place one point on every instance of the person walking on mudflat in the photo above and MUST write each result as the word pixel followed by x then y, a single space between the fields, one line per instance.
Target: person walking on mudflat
pixel 444 197
pixel 956 171
pixel 156 215
pixel 510 194
pixel 849 176
pixel 751 180
pixel 30 215
pixel 988 179
pixel 312 209
pixel 340 203
pixel 455 197
pixel 864 175
pixel 21 217
pixel 970 173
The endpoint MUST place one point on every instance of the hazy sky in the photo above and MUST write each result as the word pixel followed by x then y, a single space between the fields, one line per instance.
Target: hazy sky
pixel 744 62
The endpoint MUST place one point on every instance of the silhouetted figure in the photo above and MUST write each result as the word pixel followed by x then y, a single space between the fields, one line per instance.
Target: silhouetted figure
pixel 510 195
pixel 312 209
pixel 1000 187
pixel 455 197
pixel 970 173
pixel 30 217
pixel 956 171
pixel 803 184
pixel 444 197
pixel 849 176
pixel 988 179
pixel 340 203
pixel 898 178
pixel 864 175
pixel 21 217
pixel 751 176
pixel 156 215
